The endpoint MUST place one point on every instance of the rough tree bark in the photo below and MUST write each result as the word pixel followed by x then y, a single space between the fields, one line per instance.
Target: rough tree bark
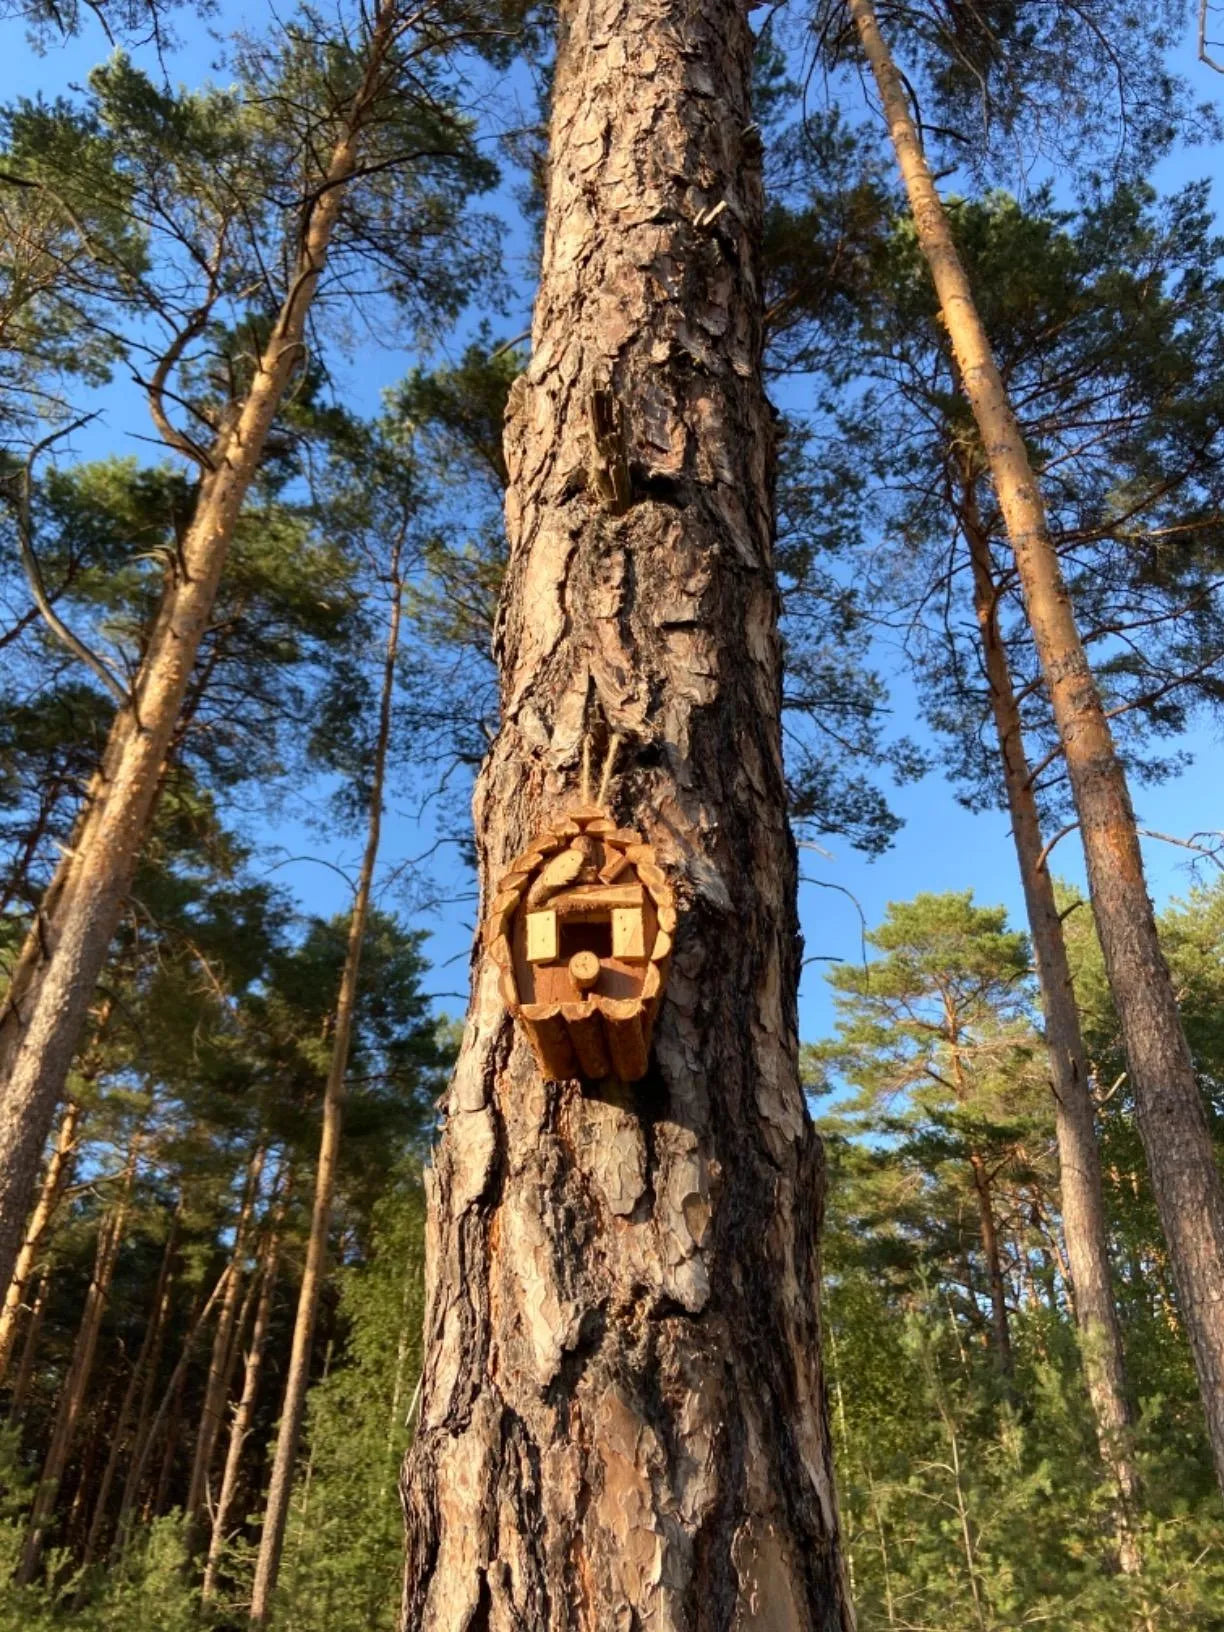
pixel 1169 1108
pixel 280 1484
pixel 622 1420
pixel 53 981
pixel 1079 1157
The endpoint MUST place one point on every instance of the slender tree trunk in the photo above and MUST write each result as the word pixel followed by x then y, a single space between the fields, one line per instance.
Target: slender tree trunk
pixel 138 1382
pixel 55 1181
pixel 159 1501
pixel 54 980
pixel 994 1267
pixel 25 1367
pixel 245 1410
pixel 622 1415
pixel 280 1485
pixel 1169 1108
pixel 1079 1156
pixel 76 1383
pixel 170 1402
pixel 224 1354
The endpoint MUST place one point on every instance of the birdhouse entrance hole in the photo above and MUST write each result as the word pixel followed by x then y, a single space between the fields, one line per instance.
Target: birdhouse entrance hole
pixel 585 935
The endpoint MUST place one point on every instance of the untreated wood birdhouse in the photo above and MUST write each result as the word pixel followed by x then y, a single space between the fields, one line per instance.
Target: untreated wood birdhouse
pixel 581 928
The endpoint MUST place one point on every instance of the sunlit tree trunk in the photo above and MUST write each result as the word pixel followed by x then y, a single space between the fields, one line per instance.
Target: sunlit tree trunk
pixel 280 1485
pixel 80 1370
pixel 25 1366
pixel 1079 1158
pixel 1169 1108
pixel 622 1416
pixel 224 1353
pixel 53 982
pixel 55 1180
pixel 1000 1323
pixel 139 1384
pixel 245 1409
pixel 169 1411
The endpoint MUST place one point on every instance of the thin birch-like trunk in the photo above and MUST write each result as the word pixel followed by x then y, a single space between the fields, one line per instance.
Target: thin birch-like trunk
pixel 1000 1324
pixel 1079 1158
pixel 223 1356
pixel 76 1383
pixel 25 1366
pixel 622 1418
pixel 169 1406
pixel 280 1485
pixel 53 982
pixel 149 1346
pixel 245 1409
pixel 55 1181
pixel 1169 1108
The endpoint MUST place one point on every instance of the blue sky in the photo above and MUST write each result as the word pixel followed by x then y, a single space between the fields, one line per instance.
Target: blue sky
pixel 940 847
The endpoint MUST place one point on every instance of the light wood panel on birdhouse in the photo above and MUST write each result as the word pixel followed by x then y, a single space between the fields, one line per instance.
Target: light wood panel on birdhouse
pixel 581 929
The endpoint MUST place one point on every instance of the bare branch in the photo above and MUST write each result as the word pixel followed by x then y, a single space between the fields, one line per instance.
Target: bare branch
pixel 23 486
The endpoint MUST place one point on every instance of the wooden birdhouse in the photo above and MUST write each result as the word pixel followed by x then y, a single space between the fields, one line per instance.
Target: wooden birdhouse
pixel 581 928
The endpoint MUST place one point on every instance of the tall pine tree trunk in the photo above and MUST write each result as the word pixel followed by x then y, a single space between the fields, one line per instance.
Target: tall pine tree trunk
pixel 1079 1157
pixel 80 1370
pixel 280 1485
pixel 55 1180
pixel 1169 1108
pixel 622 1417
pixel 53 982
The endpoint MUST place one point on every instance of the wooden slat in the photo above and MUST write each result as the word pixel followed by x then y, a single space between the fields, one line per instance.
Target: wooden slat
pixel 549 1036
pixel 589 898
pixel 586 1031
pixel 627 1042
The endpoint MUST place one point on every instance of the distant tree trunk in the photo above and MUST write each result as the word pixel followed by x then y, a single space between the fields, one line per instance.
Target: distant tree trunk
pixel 158 1502
pixel 140 1381
pixel 622 1416
pixel 76 1383
pixel 1169 1108
pixel 25 1366
pixel 1000 1323
pixel 169 1410
pixel 53 982
pixel 245 1410
pixel 55 1180
pixel 280 1485
pixel 224 1354
pixel 1079 1157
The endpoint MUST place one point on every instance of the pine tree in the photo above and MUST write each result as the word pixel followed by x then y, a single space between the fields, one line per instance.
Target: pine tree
pixel 623 1305
pixel 1187 1182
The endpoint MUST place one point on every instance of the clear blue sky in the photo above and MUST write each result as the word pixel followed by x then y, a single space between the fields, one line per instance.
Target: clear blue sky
pixel 940 847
